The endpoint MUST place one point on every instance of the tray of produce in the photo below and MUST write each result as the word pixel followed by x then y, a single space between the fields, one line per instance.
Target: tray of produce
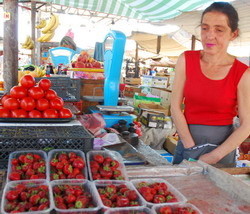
pixel 157 191
pixel 27 165
pixel 106 165
pixel 98 70
pixel 175 208
pixel 66 164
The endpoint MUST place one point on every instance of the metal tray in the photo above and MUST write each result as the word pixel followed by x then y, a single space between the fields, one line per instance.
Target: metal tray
pixel 36 120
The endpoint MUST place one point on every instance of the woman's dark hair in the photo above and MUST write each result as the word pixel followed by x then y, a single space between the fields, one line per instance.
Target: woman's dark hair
pixel 228 10
pixel 66 40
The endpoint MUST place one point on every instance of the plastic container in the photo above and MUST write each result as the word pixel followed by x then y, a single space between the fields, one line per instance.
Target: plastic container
pixel 53 152
pixel 29 183
pixel 104 183
pixel 130 210
pixel 88 186
pixel 114 155
pixel 18 153
pixel 155 209
pixel 181 198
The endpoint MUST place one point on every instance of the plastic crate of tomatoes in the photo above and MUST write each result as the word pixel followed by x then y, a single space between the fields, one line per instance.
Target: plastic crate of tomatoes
pixel 32 197
pixel 118 195
pixel 157 191
pixel 134 210
pixel 27 165
pixel 66 164
pixel 68 89
pixel 175 208
pixel 106 165
pixel 75 196
pixel 13 138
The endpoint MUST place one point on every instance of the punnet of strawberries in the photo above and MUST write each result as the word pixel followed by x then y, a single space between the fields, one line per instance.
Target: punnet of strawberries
pixel 156 192
pixel 105 168
pixel 68 196
pixel 27 166
pixel 176 210
pixel 25 198
pixel 118 196
pixel 67 165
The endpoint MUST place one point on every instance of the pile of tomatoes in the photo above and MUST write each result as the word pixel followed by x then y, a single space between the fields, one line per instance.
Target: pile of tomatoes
pixel 31 100
pixel 27 166
pixel 156 192
pixel 23 198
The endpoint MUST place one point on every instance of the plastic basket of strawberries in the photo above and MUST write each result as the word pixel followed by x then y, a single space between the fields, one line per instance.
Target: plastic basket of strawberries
pixel 175 209
pixel 107 165
pixel 157 191
pixel 66 164
pixel 27 165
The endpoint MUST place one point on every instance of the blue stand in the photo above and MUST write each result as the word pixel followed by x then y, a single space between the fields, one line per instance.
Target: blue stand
pixel 114 44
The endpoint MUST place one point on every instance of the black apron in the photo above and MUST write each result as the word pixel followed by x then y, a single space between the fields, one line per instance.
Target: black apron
pixel 206 139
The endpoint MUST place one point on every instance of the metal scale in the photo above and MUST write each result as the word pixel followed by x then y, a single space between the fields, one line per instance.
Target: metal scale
pixel 114 44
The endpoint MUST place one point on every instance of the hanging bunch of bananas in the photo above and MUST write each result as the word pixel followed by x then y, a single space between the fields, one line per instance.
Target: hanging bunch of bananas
pixel 41 24
pixel 49 29
pixel 28 43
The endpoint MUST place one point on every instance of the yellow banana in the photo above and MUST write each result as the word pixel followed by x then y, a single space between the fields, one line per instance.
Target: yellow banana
pixel 48 36
pixel 31 46
pixel 50 24
pixel 29 42
pixel 56 23
pixel 41 24
pixel 26 40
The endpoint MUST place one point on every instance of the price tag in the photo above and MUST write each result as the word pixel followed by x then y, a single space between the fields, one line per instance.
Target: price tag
pixel 6 16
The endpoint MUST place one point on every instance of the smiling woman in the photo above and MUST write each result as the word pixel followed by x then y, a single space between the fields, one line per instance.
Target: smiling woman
pixel 215 88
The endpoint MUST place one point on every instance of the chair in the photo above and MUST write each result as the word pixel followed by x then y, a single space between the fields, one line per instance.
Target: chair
pixel 61 55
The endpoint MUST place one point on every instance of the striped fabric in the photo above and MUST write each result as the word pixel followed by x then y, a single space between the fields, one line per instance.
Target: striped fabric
pixel 149 10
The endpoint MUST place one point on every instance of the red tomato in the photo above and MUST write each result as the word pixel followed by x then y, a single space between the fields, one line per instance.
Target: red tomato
pixel 50 113
pixel 42 104
pixel 56 103
pixel 36 92
pixel 50 94
pixel 65 113
pixel 6 96
pixel 45 84
pixel 18 92
pixel 34 114
pixel 28 81
pixel 11 103
pixel 4 112
pixel 19 113
pixel 27 103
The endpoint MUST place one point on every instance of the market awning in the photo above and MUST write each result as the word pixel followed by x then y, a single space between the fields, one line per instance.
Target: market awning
pixel 148 10
pixel 163 44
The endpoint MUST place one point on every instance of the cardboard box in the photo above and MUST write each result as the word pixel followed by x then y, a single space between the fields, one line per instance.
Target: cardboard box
pixel 131 90
pixel 170 144
pixel 156 121
pixel 155 116
pixel 132 81
pixel 154 108
pixel 92 87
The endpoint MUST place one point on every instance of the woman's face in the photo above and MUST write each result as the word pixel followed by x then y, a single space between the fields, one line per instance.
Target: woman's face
pixel 216 33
